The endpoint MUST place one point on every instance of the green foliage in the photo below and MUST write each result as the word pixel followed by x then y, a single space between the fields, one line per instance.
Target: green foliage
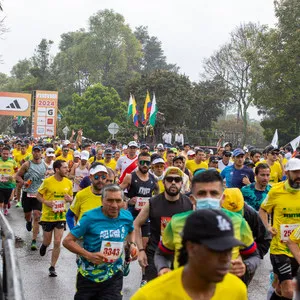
pixel 276 76
pixel 94 111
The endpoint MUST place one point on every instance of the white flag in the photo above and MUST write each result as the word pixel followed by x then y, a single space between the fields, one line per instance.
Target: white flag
pixel 275 139
pixel 295 142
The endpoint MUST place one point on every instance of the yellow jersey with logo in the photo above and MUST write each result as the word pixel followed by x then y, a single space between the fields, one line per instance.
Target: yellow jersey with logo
pixel 112 164
pixel 193 166
pixel 285 207
pixel 54 190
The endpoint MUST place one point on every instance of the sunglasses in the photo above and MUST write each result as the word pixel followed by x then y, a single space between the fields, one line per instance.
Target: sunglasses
pixel 96 177
pixel 274 153
pixel 50 152
pixel 132 147
pixel 145 163
pixel 170 179
pixel 227 155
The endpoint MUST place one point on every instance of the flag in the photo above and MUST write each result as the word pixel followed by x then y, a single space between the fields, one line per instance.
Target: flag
pixel 129 111
pixel 295 142
pixel 275 139
pixel 147 109
pixel 153 111
pixel 135 113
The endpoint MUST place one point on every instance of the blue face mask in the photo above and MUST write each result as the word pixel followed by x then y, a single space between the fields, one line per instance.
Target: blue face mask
pixel 207 203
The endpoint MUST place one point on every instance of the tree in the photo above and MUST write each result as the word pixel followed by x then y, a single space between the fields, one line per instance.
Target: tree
pixel 153 54
pixel 276 74
pixel 95 110
pixel 233 62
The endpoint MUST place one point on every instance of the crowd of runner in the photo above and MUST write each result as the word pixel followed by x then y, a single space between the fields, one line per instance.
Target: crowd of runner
pixel 199 221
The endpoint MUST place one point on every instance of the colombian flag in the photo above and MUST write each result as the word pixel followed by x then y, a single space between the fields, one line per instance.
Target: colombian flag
pixel 135 113
pixel 147 109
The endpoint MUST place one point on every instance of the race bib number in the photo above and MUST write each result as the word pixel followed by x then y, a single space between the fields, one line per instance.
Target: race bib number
pixel 112 250
pixel 31 195
pixel 141 202
pixel 286 230
pixel 59 206
pixel 3 178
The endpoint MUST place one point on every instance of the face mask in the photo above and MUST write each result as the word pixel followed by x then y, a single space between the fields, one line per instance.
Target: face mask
pixel 207 203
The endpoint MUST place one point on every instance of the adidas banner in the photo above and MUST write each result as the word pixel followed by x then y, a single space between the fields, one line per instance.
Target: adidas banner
pixel 15 104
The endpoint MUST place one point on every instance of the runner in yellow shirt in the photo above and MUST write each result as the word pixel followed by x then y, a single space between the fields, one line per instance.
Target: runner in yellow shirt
pixel 108 161
pixel 22 156
pixel 205 259
pixel 198 162
pixel 54 193
pixel 66 154
pixel 283 203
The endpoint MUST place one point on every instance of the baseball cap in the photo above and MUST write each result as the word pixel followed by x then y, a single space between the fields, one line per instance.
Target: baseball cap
pixel 212 228
pixel 77 154
pixel 84 155
pixel 179 157
pixel 233 200
pixel 108 151
pixel 160 147
pixel 158 160
pixel 143 146
pixel 97 169
pixel 124 147
pixel 227 144
pixel 226 153
pixel 191 152
pixel 36 147
pixel 50 152
pixel 173 171
pixel 133 144
pixel 237 152
pixel 213 159
pixel 66 142
pixel 270 149
pixel 293 164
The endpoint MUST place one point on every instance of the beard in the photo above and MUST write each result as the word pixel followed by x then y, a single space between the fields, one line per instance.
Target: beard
pixel 293 184
pixel 172 193
pixel 143 170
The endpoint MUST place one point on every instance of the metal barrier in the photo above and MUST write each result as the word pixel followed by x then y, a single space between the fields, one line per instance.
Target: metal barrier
pixel 10 281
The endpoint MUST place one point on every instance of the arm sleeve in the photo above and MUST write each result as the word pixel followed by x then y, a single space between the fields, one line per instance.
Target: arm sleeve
pixel 70 219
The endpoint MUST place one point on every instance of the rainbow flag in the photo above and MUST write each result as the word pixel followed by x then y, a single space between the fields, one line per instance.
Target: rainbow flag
pixel 147 109
pixel 135 113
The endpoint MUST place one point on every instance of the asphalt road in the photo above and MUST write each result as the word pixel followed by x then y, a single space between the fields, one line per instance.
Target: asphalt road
pixel 38 285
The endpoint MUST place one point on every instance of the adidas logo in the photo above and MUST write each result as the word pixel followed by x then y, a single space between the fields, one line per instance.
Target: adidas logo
pixel 14 105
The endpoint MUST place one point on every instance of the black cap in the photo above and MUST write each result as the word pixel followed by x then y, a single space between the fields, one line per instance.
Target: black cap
pixel 179 157
pixel 214 159
pixel 270 149
pixel 144 146
pixel 108 151
pixel 212 228
pixel 227 153
pixel 36 147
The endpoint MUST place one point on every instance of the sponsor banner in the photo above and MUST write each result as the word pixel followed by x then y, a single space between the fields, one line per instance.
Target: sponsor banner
pixel 46 105
pixel 15 104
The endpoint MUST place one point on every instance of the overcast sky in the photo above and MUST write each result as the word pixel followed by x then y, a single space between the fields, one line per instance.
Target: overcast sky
pixel 189 30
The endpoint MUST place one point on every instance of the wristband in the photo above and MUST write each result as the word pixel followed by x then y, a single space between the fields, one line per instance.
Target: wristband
pixel 141 250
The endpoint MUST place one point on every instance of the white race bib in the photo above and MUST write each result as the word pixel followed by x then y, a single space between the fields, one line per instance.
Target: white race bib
pixel 59 206
pixel 141 202
pixel 4 178
pixel 31 195
pixel 286 230
pixel 112 250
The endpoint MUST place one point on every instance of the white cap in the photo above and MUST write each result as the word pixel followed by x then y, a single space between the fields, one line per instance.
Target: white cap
pixel 97 169
pixel 125 147
pixel 66 142
pixel 158 160
pixel 84 155
pixel 293 164
pixel 160 146
pixel 50 152
pixel 133 144
pixel 191 152
pixel 77 154
pixel 211 151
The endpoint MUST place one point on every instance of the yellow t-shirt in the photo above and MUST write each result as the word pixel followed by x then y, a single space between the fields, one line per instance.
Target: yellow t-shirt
pixel 161 186
pixel 112 164
pixel 21 158
pixel 91 160
pixel 275 171
pixel 53 190
pixel 286 216
pixel 84 201
pixel 169 286
pixel 193 166
pixel 295 236
pixel 58 151
pixel 15 152
pixel 69 157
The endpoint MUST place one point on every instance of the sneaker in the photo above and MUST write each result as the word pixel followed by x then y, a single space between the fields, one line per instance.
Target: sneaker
pixel 33 245
pixel 52 272
pixel 126 268
pixel 5 212
pixel 19 204
pixel 29 226
pixel 143 282
pixel 43 249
